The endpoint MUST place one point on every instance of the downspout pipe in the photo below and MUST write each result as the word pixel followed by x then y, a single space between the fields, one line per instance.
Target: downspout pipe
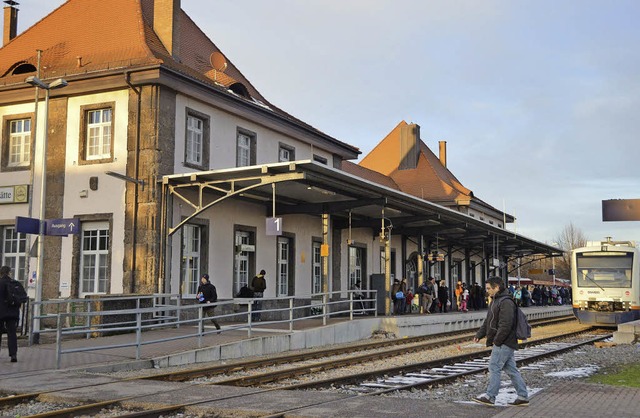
pixel 136 172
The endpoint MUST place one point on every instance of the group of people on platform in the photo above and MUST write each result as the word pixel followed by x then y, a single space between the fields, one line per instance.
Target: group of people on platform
pixel 433 296
pixel 539 295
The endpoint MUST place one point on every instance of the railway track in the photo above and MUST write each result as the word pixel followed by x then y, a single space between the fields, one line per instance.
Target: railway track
pixel 419 342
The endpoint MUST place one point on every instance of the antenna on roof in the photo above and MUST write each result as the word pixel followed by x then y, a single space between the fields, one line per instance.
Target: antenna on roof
pixel 218 62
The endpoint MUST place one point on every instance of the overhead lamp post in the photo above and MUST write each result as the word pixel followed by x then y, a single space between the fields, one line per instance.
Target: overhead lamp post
pixel 56 84
pixel 553 264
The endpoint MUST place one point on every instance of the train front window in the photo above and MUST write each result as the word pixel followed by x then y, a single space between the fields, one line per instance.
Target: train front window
pixel 597 270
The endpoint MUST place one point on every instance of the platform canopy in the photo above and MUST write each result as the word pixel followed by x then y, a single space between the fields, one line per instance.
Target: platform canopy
pixel 311 188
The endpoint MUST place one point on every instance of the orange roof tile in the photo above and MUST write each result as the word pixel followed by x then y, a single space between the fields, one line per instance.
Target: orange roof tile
pixel 430 180
pixel 113 34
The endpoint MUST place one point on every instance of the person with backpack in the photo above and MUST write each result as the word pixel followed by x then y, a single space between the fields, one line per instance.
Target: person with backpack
pixel 12 296
pixel 426 295
pixel 207 293
pixel 499 327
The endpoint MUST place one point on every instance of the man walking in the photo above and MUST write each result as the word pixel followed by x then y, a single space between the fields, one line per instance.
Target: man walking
pixel 499 328
pixel 208 294
pixel 10 310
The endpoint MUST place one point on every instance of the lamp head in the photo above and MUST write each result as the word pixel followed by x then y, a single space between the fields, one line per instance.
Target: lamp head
pixel 58 84
pixel 35 81
pixel 55 84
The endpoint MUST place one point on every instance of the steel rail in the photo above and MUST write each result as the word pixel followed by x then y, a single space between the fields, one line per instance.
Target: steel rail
pixel 94 407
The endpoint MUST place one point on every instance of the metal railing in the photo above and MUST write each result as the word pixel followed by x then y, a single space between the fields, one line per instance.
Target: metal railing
pixel 71 319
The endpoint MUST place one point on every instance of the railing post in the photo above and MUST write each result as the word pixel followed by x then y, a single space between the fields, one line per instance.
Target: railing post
pixel 31 323
pixel 375 303
pixel 178 310
pixel 249 319
pixel 291 315
pixel 325 308
pixel 138 334
pixel 58 341
pixel 87 323
pixel 351 306
pixel 200 326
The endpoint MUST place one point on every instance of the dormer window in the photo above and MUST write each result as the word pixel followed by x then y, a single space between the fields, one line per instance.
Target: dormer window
pixel 240 90
pixel 24 69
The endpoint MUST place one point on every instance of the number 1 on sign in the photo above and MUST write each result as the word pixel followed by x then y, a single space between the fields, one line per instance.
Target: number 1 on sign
pixel 274 226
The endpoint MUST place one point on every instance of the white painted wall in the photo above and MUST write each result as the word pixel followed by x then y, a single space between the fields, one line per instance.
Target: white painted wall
pixel 109 198
pixel 223 130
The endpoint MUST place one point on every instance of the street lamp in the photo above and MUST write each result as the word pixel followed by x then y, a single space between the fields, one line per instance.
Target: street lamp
pixel 553 264
pixel 56 84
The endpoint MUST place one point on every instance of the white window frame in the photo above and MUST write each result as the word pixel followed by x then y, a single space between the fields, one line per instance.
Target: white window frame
pixel 19 143
pixel 455 272
pixel 437 270
pixel 194 140
pixel 14 247
pixel 243 150
pixel 355 265
pixel 95 233
pixel 316 269
pixel 191 259
pixel 284 246
pixel 242 263
pixel 99 135
pixel 286 153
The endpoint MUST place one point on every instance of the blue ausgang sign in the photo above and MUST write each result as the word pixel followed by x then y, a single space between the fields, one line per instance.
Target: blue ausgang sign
pixel 62 226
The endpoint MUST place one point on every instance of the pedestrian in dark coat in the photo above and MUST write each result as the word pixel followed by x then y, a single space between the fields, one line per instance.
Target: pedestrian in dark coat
pixel 443 296
pixel 207 294
pixel 9 315
pixel 499 328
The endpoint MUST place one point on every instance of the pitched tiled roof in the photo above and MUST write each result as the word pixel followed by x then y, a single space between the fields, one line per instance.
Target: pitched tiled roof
pixel 72 31
pixel 430 180
pixel 89 36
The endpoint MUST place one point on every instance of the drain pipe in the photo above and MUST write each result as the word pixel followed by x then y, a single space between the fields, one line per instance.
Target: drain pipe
pixel 136 164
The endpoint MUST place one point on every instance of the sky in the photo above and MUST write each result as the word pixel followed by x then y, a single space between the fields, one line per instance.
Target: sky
pixel 538 100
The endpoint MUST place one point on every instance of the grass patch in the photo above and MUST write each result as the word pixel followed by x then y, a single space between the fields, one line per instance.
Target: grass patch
pixel 627 375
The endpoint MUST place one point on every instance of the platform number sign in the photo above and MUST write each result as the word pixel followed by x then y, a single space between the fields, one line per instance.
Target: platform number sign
pixel 274 226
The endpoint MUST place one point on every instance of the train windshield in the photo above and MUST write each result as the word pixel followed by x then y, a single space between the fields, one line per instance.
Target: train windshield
pixel 604 270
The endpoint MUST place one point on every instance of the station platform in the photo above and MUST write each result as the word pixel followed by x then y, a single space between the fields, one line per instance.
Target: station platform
pixel 36 370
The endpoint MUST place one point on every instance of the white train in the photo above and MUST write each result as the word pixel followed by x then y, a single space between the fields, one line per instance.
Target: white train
pixel 605 281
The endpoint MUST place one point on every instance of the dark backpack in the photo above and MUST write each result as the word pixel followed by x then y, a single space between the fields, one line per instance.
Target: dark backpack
pixel 245 292
pixel 16 295
pixel 522 327
pixel 422 289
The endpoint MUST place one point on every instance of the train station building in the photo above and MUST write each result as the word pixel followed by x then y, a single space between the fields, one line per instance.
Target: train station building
pixel 174 165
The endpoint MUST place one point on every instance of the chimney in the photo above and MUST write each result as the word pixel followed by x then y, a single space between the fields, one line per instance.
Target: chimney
pixel 166 24
pixel 443 152
pixel 10 22
pixel 409 146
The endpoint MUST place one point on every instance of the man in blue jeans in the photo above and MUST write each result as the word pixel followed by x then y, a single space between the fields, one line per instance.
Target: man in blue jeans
pixel 499 328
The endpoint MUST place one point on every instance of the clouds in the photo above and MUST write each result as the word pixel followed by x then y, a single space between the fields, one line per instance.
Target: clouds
pixel 537 100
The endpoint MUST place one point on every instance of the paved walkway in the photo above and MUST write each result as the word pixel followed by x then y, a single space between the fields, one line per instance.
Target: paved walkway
pixel 567 399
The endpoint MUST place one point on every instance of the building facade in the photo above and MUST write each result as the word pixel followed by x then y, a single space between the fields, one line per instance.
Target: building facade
pixel 147 147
